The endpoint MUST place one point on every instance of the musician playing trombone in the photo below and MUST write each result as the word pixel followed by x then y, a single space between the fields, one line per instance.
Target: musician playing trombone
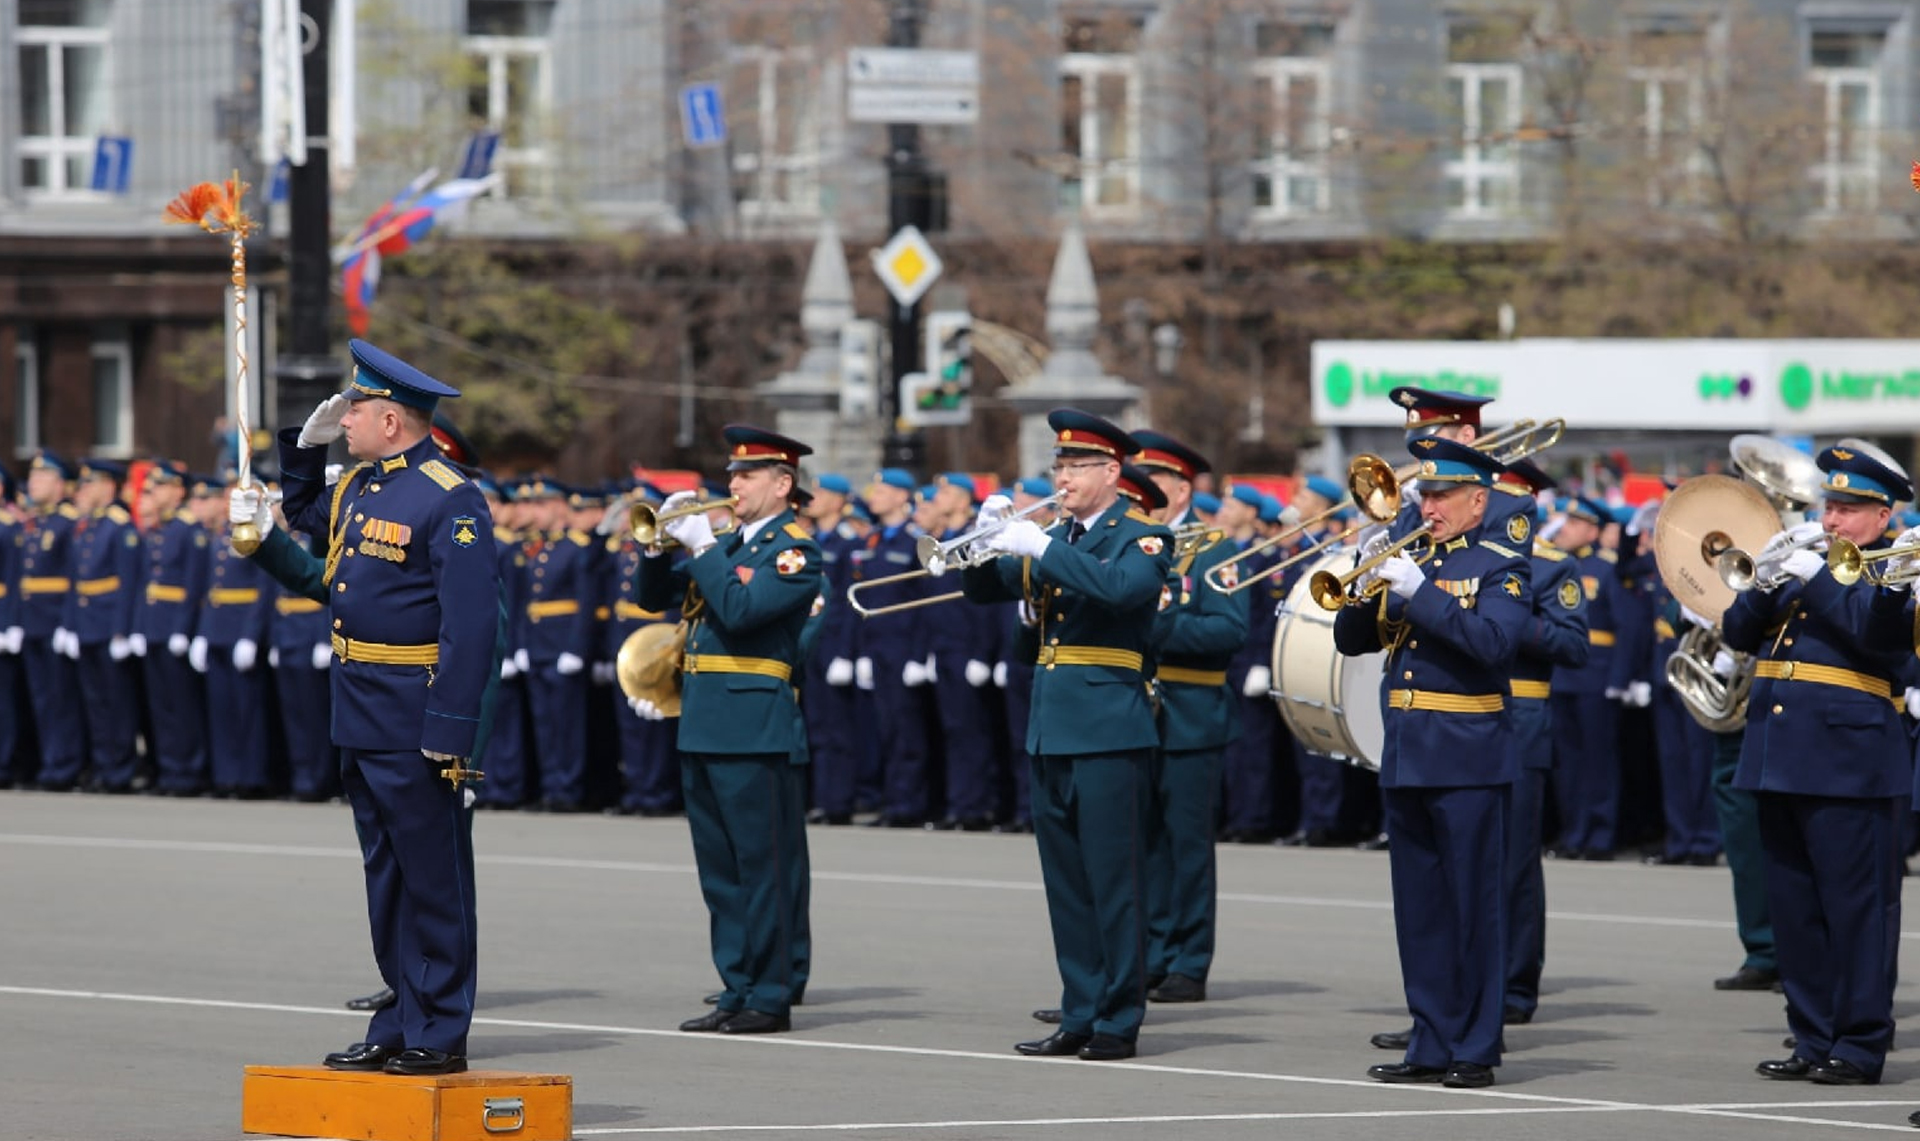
pixel 1451 631
pixel 1827 756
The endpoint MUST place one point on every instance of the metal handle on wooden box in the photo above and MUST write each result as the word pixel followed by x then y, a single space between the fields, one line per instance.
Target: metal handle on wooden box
pixel 509 1112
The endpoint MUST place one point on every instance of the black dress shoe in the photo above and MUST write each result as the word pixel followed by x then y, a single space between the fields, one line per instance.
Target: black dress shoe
pixel 1049 1015
pixel 1913 1119
pixel 1403 1072
pixel 1059 1044
pixel 1015 828
pixel 1392 1039
pixel 1663 860
pixel 757 1022
pixel 976 824
pixel 1840 1072
pixel 708 1023
pixel 419 1061
pixel 1377 844
pixel 1704 860
pixel 1468 1075
pixel 361 1056
pixel 1794 1069
pixel 1106 1048
pixel 1514 1016
pixel 378 1000
pixel 714 998
pixel 1178 988
pixel 1748 978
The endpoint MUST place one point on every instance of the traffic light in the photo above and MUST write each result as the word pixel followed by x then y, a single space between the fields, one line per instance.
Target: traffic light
pixel 860 356
pixel 943 394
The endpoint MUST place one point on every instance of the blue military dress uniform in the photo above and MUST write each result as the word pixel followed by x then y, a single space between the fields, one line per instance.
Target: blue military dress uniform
pixel 561 588
pixel 100 610
pixel 1249 758
pixel 413 581
pixel 13 694
pixel 1586 765
pixel 53 681
pixel 830 709
pixel 887 643
pixel 1091 736
pixel 299 625
pixel 1446 775
pixel 1828 755
pixel 649 764
pixel 173 589
pixel 237 609
pixel 746 601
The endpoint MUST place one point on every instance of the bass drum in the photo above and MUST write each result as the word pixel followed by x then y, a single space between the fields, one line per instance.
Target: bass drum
pixel 1330 702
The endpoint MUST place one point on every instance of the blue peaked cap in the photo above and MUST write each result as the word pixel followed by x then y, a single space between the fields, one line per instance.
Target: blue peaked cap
pixel 1444 461
pixel 379 374
pixel 1856 477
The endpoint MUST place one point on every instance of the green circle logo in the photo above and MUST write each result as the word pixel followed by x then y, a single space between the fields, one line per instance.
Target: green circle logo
pixel 1339 384
pixel 1796 386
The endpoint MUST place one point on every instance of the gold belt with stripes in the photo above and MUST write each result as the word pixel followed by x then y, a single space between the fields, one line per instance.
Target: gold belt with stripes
pixel 1051 656
pixel 233 596
pixel 1827 675
pixel 625 609
pixel 1600 637
pixel 1180 675
pixel 296 605
pixel 381 653
pixel 43 586
pixel 555 609
pixel 728 664
pixel 94 587
pixel 159 592
pixel 1524 688
pixel 1445 702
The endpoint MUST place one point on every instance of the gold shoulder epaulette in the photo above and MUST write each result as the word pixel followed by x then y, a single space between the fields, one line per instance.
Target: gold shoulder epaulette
pixel 796 531
pixel 118 513
pixel 1609 555
pixel 69 511
pixel 1497 549
pixel 1139 516
pixel 1548 552
pixel 579 538
pixel 613 544
pixel 1516 492
pixel 440 473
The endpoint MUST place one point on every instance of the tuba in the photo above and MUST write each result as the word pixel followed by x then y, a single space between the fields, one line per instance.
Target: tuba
pixel 648 665
pixel 1718 703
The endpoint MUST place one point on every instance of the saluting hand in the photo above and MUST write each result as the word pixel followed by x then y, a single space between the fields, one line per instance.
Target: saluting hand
pixel 323 427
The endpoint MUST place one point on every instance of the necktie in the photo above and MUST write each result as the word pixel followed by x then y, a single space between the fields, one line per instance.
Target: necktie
pixel 1074 532
pixel 733 543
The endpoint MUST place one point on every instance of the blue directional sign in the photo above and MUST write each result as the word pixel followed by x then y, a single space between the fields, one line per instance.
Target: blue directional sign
pixel 703 119
pixel 279 187
pixel 112 163
pixel 476 160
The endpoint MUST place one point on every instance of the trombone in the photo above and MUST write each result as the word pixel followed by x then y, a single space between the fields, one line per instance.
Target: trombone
pixel 648 521
pixel 853 594
pixel 937 558
pixel 1330 590
pixel 1375 489
pixel 1849 564
pixel 1742 571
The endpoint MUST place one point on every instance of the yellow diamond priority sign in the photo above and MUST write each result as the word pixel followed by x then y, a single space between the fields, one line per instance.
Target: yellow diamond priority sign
pixel 907 265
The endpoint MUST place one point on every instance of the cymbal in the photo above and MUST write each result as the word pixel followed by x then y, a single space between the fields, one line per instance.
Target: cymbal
pixel 1702 517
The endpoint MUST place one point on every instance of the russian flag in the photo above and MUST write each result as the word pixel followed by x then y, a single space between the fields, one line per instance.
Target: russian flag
pixel 392 230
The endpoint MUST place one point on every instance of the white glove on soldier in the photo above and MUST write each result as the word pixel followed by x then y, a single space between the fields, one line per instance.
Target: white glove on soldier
pixel 913 674
pixel 59 640
pixel 273 657
pixel 197 655
pixel 568 664
pixel 1402 575
pixel 996 508
pixel 137 645
pixel 840 672
pixel 1020 537
pixel 249 505
pixel 863 673
pixel 1901 564
pixel 322 655
pixel 603 673
pixel 979 673
pixel 1792 536
pixel 1639 694
pixel 13 639
pixel 323 427
pixel 244 652
pixel 933 670
pixel 1259 682
pixel 1723 663
pixel 119 647
pixel 508 670
pixel 1802 565
pixel 522 662
pixel 177 644
pixel 1913 703
pixel 1697 619
pixel 645 710
pixel 1000 674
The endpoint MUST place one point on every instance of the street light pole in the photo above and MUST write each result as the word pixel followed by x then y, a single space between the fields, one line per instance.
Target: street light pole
pixel 909 203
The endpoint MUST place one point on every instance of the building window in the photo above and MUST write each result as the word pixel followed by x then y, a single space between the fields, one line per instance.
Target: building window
pixel 1100 114
pixel 112 394
pixel 1667 70
pixel 1482 164
pixel 774 95
pixel 26 394
pixel 62 58
pixel 1291 120
pixel 510 87
pixel 1843 66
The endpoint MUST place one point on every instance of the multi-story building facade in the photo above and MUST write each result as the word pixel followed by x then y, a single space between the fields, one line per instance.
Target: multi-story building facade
pixel 1180 121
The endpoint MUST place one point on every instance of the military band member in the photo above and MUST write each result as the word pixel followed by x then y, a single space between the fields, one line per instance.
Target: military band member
pixel 12 636
pixel 1586 762
pixel 99 617
pixel 1091 585
pixel 229 648
pixel 959 672
pixel 1434 412
pixel 1013 676
pixel 746 599
pixel 1248 762
pixel 1829 758
pixel 828 697
pixel 558 634
pixel 1324 812
pixel 891 664
pixel 175 583
pixel 649 764
pixel 1446 770
pixel 1195 636
pixel 414 601
pixel 301 654
pixel 46 578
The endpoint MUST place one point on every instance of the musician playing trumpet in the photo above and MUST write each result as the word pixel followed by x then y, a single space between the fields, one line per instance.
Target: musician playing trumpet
pixel 1451 629
pixel 1829 761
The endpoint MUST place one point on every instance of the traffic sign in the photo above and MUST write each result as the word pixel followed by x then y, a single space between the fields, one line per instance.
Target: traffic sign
pixel 912 85
pixel 476 157
pixel 112 163
pixel 934 106
pixel 907 265
pixel 703 118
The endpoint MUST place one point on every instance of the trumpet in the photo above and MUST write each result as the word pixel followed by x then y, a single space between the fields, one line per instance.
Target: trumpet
pixel 648 521
pixel 1374 488
pixel 1849 564
pixel 1331 590
pixel 1742 571
pixel 937 558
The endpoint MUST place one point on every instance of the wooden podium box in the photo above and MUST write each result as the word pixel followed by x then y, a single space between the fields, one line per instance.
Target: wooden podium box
pixel 480 1105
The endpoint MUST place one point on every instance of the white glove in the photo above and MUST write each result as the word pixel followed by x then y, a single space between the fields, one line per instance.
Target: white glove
pixel 521 662
pixel 616 517
pixel 1792 536
pixel 1913 703
pixel 73 645
pixel 334 472
pixel 1802 565
pixel 322 656
pixel 508 670
pixel 913 674
pixel 1697 619
pixel 1020 537
pixel 603 673
pixel 1901 565
pixel 1723 663
pixel 177 644
pixel 933 670
pixel 1402 575
pixel 119 647
pixel 244 652
pixel 692 532
pixel 197 655
pixel 273 657
pixel 1372 540
pixel 979 673
pixel 1259 682
pixel 137 645
pixel 996 508
pixel 323 427
pixel 59 640
pixel 1639 694
pixel 13 639
pixel 1000 674
pixel 1027 615
pixel 1643 519
pixel 249 505
pixel 1615 694
pixel 645 710
pixel 839 672
pixel 569 664
pixel 863 673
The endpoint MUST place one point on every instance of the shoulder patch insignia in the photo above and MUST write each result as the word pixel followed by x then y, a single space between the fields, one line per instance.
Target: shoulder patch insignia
pixel 69 511
pixel 1229 574
pixel 1511 584
pixel 440 473
pixel 1166 595
pixel 133 539
pixel 1570 595
pixel 1153 544
pixel 1519 528
pixel 796 531
pixel 579 538
pixel 1592 585
pixel 465 527
pixel 200 539
pixel 1500 550
pixel 793 560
